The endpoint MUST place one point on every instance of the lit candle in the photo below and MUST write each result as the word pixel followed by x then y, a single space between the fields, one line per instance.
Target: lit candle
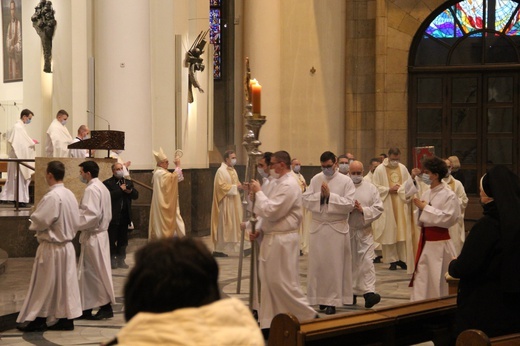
pixel 256 91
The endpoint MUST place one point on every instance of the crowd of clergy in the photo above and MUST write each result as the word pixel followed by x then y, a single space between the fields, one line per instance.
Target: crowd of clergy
pixel 413 217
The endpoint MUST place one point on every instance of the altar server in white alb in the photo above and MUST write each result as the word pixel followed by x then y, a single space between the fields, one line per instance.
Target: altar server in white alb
pixel 330 198
pixel 22 147
pixel 83 133
pixel 58 137
pixel 163 211
pixel 439 209
pixel 457 231
pixel 279 249
pixel 94 270
pixel 367 208
pixel 53 291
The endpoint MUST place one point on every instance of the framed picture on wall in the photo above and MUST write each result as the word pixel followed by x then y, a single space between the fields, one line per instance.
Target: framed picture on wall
pixel 12 40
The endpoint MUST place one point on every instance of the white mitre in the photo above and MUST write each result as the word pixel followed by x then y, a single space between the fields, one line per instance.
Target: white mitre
pixel 159 156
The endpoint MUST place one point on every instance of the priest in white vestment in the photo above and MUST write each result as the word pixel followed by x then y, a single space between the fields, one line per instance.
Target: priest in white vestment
pixel 439 209
pixel 83 133
pixel 226 210
pixel 165 196
pixel 22 147
pixel 395 229
pixel 279 249
pixel 94 269
pixel 330 198
pixel 53 291
pixel 58 137
pixel 367 208
pixel 457 231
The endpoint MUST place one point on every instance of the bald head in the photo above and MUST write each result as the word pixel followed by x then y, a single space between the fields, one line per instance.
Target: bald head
pixel 356 167
pixel 83 131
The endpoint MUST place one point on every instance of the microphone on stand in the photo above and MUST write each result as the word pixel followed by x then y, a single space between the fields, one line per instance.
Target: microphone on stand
pixel 100 117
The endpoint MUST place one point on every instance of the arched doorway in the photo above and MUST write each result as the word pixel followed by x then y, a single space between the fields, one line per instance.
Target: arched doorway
pixel 464 85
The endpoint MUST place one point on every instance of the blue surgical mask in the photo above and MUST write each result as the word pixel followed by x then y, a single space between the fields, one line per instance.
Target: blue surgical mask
pixel 356 178
pixel 328 171
pixel 426 179
pixel 296 168
pixel 63 122
pixel 28 122
pixel 83 180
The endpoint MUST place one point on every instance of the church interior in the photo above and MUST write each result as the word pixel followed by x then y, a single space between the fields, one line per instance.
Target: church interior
pixel 357 76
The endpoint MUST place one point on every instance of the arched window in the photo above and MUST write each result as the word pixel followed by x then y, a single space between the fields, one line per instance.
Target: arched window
pixel 464 91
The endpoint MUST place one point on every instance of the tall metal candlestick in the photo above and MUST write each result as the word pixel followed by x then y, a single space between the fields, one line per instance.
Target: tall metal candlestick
pixel 254 123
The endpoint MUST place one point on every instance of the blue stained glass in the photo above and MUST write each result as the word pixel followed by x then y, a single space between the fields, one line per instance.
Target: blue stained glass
pixel 503 11
pixel 442 25
pixel 214 38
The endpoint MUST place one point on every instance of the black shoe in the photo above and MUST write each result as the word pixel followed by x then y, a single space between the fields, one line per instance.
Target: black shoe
pixel 401 264
pixel 22 205
pixel 63 324
pixel 219 254
pixel 393 266
pixel 322 307
pixel 371 299
pixel 86 315
pixel 38 325
pixel 377 259
pixel 104 312
pixel 122 264
pixel 330 310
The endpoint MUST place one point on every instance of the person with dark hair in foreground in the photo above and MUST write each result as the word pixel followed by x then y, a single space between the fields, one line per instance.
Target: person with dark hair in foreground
pixel 172 298
pixel 54 291
pixel 488 265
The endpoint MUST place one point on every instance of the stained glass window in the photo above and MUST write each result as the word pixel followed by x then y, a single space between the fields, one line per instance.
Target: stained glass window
pixel 470 15
pixel 214 36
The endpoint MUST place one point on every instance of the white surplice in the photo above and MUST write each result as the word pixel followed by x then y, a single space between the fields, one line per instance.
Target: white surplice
pixel 329 279
pixel 279 252
pixel 94 270
pixel 78 153
pixel 53 290
pixel 457 231
pixel 22 147
pixel 442 210
pixel 361 238
pixel 58 138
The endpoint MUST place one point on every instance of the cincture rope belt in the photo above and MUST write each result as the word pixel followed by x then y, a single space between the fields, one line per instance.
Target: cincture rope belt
pixel 428 234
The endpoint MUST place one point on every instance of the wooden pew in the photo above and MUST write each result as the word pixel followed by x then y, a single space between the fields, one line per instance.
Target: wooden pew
pixel 474 337
pixel 399 325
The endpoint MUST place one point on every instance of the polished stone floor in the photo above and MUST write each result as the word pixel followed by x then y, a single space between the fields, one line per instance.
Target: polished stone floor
pixel 392 285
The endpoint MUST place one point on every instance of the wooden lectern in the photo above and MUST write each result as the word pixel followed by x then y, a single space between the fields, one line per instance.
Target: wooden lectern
pixel 101 139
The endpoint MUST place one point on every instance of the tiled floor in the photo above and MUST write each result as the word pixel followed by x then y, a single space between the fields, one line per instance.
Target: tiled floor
pixel 392 285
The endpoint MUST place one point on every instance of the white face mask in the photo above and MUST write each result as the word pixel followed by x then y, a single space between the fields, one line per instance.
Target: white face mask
pixel 262 172
pixel 83 180
pixel 233 162
pixel 296 168
pixel 63 122
pixel 328 171
pixel 273 174
pixel 343 168
pixel 356 178
pixel 394 163
pixel 119 174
